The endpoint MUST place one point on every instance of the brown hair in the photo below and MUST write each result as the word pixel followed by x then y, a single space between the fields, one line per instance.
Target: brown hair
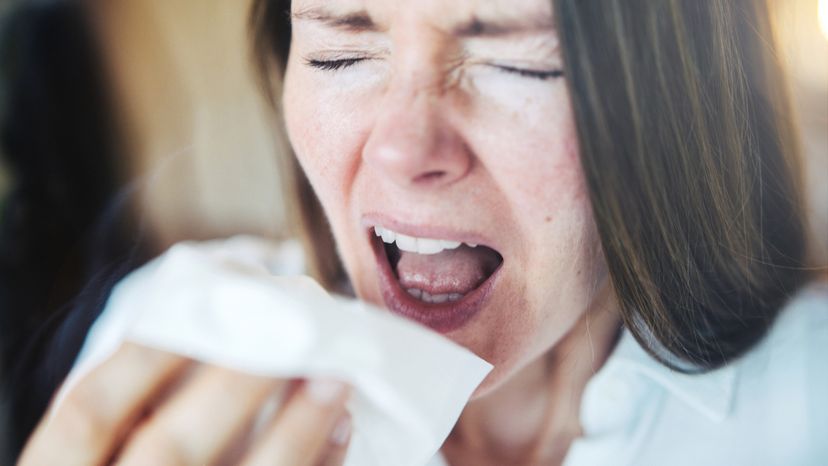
pixel 691 157
pixel 270 28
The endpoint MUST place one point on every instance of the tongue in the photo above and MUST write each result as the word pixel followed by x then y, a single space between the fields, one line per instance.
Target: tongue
pixel 456 271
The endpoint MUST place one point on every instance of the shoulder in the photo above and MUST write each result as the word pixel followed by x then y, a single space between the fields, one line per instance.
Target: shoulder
pixel 768 407
pixel 803 320
pixel 795 351
pixel 781 386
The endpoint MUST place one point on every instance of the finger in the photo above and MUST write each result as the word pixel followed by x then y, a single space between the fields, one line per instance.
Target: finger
pixel 339 440
pixel 88 424
pixel 200 422
pixel 300 434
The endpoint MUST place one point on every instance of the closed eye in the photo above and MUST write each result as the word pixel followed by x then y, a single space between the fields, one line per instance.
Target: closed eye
pixel 334 65
pixel 342 63
pixel 529 73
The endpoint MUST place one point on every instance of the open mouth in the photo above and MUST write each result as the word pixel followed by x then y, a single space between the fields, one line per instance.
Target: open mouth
pixel 440 283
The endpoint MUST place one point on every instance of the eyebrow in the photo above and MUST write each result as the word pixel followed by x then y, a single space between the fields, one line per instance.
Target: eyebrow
pixel 358 21
pixel 476 27
pixel 361 21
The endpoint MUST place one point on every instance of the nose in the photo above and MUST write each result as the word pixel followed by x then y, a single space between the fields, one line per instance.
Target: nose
pixel 412 144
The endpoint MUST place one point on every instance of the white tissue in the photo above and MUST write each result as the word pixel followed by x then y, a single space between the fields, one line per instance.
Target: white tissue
pixel 220 303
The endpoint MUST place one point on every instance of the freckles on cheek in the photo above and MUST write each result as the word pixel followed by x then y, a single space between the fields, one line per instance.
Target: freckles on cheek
pixel 573 167
pixel 542 174
pixel 323 143
pixel 552 185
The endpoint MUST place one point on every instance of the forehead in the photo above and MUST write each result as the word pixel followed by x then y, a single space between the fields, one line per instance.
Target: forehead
pixel 446 15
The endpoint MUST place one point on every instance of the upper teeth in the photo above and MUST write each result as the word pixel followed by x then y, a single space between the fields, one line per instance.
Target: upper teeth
pixel 418 245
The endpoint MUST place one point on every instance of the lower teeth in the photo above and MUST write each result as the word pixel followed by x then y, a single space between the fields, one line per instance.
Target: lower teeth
pixel 434 299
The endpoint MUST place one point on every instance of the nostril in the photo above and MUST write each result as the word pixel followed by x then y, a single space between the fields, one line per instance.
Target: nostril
pixel 430 176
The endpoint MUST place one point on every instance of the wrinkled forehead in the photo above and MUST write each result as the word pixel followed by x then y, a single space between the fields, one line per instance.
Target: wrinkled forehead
pixel 472 17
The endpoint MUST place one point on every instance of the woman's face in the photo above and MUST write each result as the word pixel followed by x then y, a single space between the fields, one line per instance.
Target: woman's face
pixel 445 125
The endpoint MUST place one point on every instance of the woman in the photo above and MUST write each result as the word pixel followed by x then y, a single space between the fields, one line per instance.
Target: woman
pixel 602 200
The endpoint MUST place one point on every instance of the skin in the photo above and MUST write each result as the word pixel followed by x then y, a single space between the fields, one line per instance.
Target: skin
pixel 407 114
pixel 445 122
pixel 144 406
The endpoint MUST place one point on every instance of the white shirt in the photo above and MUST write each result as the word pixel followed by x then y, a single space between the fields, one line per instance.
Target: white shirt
pixel 768 408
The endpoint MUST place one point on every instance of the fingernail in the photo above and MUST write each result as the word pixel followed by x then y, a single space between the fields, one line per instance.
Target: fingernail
pixel 342 431
pixel 325 391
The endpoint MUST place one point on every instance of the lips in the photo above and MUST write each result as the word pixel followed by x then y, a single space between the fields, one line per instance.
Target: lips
pixel 443 290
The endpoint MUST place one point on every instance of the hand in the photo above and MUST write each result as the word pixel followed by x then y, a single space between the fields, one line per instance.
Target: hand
pixel 147 407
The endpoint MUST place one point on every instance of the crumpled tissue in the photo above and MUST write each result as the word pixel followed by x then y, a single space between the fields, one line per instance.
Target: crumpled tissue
pixel 219 302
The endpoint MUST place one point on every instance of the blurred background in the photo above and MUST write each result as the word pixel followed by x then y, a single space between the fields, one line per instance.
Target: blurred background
pixel 186 107
pixel 802 27
pixel 190 137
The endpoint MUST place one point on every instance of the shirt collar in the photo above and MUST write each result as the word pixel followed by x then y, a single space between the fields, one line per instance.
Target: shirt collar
pixel 710 393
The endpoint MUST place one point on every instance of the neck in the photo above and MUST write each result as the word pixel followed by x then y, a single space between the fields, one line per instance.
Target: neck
pixel 534 417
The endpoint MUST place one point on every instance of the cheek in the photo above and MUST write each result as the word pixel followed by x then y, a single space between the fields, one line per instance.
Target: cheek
pixel 532 156
pixel 530 148
pixel 323 128
pixel 327 131
pixel 554 211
